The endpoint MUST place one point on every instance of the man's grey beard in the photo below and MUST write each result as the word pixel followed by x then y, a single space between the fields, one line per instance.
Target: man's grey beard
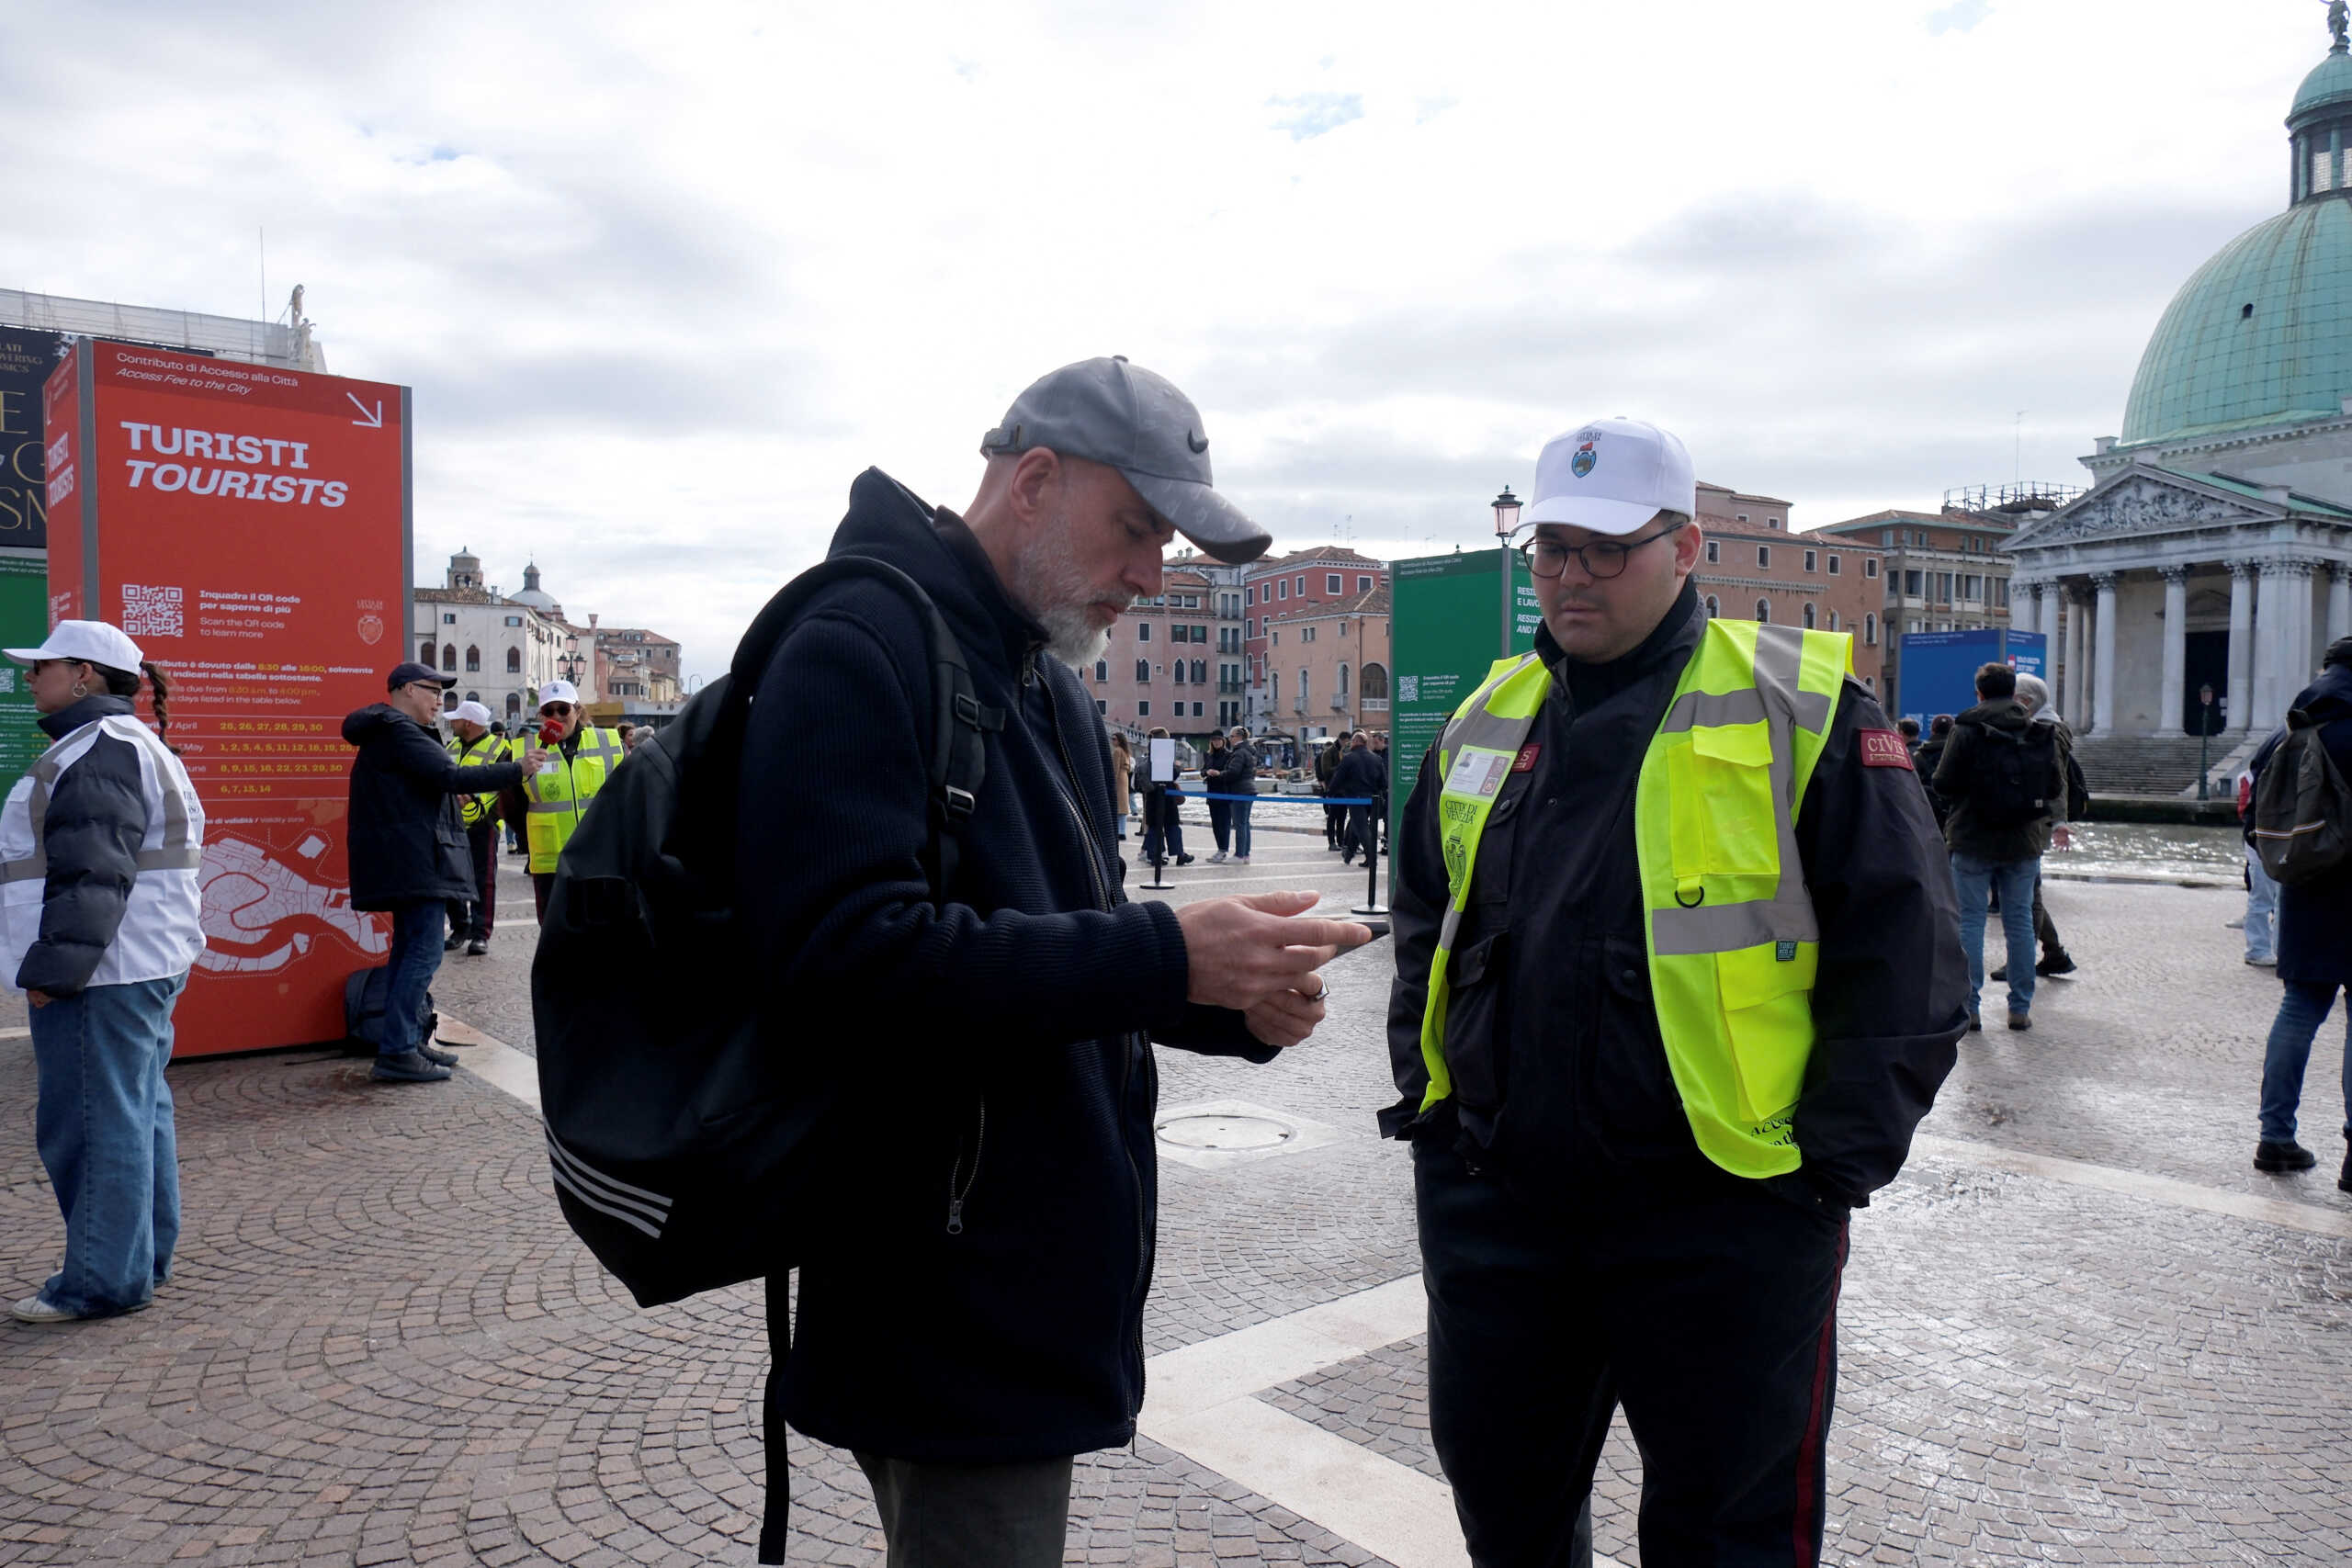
pixel 1048 583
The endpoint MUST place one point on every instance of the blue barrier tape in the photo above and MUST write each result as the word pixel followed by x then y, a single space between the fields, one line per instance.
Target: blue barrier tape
pixel 1300 799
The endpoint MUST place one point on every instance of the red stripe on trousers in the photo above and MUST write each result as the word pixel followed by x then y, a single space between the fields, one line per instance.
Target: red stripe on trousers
pixel 1809 1478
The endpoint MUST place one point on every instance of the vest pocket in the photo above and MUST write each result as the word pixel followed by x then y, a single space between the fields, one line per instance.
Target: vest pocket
pixel 1767 1013
pixel 1729 789
pixel 1475 1040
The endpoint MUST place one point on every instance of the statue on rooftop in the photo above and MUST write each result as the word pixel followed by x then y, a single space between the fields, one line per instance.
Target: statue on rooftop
pixel 2339 22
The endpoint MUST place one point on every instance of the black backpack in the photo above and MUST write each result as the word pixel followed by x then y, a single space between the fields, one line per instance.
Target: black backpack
pixel 364 994
pixel 673 1122
pixel 2301 810
pixel 2013 777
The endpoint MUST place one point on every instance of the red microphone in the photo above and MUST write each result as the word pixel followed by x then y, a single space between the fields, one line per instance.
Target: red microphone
pixel 552 733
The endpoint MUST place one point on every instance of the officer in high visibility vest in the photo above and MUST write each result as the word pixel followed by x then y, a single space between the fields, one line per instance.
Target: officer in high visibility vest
pixel 555 797
pixel 472 745
pixel 1678 971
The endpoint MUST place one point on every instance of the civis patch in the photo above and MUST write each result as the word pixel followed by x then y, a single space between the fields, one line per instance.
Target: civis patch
pixel 1527 755
pixel 1885 749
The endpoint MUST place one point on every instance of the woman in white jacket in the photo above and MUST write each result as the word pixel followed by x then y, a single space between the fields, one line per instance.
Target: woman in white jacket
pixel 99 846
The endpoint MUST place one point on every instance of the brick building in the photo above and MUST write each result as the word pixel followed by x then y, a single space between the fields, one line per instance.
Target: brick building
pixel 1944 572
pixel 1300 584
pixel 1754 568
pixel 1328 663
pixel 1175 659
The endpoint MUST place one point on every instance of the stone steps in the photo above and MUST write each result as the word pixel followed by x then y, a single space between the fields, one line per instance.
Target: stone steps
pixel 2141 765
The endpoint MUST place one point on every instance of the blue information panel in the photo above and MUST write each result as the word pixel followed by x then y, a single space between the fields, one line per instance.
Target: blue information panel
pixel 1938 670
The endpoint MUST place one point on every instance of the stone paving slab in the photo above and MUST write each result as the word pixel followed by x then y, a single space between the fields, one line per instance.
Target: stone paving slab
pixel 383 1346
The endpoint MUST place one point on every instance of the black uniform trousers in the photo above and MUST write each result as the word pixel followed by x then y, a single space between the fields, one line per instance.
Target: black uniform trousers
pixel 1704 1304
pixel 473 918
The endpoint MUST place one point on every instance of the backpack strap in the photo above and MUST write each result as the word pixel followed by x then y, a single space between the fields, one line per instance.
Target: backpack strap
pixel 960 722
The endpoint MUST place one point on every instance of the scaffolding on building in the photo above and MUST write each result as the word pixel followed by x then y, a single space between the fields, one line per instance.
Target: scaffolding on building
pixel 285 343
pixel 2025 498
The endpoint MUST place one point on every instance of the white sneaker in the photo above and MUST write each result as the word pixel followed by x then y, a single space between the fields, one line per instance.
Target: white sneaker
pixel 1218 859
pixel 37 1309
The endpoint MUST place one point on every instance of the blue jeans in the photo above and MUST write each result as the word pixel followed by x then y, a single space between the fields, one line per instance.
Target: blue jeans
pixel 1241 809
pixel 104 1130
pixel 1976 881
pixel 2261 910
pixel 2301 1012
pixel 416 957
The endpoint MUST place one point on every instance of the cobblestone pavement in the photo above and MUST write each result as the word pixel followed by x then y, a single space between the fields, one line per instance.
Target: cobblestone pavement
pixel 382 1346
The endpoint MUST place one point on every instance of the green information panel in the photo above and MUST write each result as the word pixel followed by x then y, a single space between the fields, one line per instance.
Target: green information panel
pixel 1446 626
pixel 24 622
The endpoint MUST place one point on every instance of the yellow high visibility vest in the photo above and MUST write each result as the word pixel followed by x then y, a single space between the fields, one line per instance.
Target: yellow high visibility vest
pixel 481 753
pixel 1733 941
pixel 559 796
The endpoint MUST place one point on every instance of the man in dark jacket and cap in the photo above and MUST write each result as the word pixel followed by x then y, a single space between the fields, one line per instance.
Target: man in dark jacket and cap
pixel 2004 778
pixel 2314 943
pixel 970 1310
pixel 407 847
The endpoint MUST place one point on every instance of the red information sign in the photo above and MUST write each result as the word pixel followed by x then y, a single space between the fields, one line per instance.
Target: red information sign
pixel 248 526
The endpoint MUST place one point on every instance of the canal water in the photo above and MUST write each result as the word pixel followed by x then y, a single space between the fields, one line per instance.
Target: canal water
pixel 2140 850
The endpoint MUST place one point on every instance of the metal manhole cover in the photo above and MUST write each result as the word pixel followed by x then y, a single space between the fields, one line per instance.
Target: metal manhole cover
pixel 1225 1132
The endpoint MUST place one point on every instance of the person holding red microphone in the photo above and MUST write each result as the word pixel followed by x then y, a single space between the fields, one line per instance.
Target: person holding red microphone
pixel 555 794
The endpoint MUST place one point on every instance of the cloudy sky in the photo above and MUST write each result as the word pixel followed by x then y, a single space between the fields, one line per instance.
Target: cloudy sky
pixel 664 278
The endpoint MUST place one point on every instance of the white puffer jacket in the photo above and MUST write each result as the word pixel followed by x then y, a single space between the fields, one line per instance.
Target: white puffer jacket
pixel 100 846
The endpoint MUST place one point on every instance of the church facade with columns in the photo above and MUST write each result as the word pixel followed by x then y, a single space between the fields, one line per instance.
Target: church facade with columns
pixel 2214 547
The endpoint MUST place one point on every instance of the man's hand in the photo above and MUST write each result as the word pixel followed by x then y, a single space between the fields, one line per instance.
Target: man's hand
pixel 42 998
pixel 1245 950
pixel 1285 1018
pixel 2060 838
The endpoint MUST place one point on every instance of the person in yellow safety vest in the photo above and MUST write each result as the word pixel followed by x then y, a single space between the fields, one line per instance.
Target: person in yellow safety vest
pixel 472 745
pixel 1679 972
pixel 556 796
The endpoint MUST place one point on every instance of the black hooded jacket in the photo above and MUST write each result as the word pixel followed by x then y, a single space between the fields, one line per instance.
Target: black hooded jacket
pixel 407 836
pixel 1566 1088
pixel 976 1292
pixel 1967 834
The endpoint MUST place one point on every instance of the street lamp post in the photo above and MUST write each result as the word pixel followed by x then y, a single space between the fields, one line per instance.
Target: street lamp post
pixel 1506 507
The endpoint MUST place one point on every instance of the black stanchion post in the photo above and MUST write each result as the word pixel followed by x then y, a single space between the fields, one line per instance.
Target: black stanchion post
pixel 1371 905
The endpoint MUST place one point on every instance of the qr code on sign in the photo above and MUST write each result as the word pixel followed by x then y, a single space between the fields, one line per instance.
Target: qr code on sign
pixel 151 612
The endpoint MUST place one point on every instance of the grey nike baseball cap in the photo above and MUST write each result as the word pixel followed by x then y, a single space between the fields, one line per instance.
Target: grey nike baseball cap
pixel 1110 411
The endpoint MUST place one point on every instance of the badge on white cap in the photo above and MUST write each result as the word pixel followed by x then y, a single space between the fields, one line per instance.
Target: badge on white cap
pixel 1612 476
pixel 559 692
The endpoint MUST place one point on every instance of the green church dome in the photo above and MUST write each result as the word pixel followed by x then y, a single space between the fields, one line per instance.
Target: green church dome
pixel 2260 334
pixel 2329 83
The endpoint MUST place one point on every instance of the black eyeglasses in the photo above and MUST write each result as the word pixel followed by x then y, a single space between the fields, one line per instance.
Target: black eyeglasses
pixel 554 710
pixel 1602 559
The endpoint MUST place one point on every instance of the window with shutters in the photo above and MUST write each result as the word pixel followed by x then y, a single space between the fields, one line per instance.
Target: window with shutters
pixel 448 657
pixel 514 661
pixel 1143 670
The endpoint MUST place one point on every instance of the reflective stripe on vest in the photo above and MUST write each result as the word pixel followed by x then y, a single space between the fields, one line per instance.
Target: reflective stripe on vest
pixel 1729 925
pixel 558 798
pixel 490 749
pixel 174 853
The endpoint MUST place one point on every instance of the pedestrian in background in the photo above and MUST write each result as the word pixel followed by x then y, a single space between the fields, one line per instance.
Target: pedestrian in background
pixel 1212 785
pixel 2034 695
pixel 2006 778
pixel 1123 774
pixel 1163 814
pixel 576 759
pixel 2314 944
pixel 2260 920
pixel 407 847
pixel 1359 775
pixel 1931 757
pixel 472 745
pixel 1909 730
pixel 1240 778
pixel 102 840
pixel 1335 818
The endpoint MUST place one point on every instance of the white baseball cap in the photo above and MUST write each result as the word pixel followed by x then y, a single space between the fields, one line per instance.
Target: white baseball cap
pixel 1612 476
pixel 559 692
pixel 472 713
pixel 91 642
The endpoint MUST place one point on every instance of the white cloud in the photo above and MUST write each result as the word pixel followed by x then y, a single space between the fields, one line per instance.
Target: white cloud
pixel 666 278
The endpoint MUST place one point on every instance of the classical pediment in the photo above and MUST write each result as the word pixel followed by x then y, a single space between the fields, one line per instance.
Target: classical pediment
pixel 2141 502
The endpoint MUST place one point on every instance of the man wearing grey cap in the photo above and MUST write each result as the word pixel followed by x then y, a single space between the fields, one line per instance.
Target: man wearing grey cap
pixel 970 1310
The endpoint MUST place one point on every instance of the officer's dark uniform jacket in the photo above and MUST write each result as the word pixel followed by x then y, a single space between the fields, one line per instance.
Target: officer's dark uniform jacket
pixel 976 1292
pixel 1559 1068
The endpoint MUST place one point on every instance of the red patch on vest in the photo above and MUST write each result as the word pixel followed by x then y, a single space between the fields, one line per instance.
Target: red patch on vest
pixel 1526 760
pixel 1885 749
